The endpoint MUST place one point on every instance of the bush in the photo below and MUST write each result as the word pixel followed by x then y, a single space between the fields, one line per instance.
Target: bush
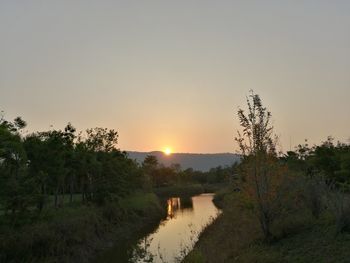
pixel 220 196
pixel 195 256
pixel 314 192
pixel 339 205
pixel 56 240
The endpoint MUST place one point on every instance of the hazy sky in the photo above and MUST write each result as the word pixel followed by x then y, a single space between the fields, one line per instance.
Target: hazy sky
pixel 173 73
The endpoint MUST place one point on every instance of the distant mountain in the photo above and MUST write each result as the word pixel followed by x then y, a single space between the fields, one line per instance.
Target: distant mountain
pixel 197 161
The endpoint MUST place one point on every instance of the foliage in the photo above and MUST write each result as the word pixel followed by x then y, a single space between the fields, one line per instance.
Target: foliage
pixel 71 234
pixel 35 167
pixel 17 191
pixel 261 172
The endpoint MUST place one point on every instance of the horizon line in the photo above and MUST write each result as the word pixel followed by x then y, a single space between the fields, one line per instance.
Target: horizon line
pixel 160 151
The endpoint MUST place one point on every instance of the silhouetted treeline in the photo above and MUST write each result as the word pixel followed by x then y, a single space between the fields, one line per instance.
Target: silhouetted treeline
pixel 51 168
pixel 311 179
pixel 290 201
pixel 159 175
pixel 330 160
pixel 48 167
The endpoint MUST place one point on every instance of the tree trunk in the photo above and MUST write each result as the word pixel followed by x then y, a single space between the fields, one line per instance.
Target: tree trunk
pixel 62 196
pixel 265 226
pixel 56 197
pixel 71 191
pixel 83 190
pixel 41 201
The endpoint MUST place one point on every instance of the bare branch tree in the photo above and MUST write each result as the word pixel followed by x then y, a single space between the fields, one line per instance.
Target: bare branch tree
pixel 260 167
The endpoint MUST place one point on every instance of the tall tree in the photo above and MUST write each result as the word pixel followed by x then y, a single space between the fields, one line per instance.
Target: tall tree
pixel 259 166
pixel 16 187
pixel 150 168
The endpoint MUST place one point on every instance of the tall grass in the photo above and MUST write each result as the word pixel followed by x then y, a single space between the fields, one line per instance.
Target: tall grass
pixel 72 234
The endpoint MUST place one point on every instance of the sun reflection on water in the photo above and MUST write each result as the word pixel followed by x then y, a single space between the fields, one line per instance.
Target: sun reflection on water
pixel 174 204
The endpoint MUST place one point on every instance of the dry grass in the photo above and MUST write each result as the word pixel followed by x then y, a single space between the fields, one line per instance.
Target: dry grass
pixel 236 237
pixel 224 240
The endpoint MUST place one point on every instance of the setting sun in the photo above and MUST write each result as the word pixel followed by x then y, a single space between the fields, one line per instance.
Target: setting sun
pixel 167 151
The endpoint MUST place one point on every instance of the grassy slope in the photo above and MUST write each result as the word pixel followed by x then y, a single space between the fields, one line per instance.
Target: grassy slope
pixel 73 234
pixel 317 244
pixel 235 237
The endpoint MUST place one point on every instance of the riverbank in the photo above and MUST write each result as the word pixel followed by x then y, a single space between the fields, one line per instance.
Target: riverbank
pixel 179 190
pixel 235 237
pixel 171 240
pixel 187 190
pixel 76 233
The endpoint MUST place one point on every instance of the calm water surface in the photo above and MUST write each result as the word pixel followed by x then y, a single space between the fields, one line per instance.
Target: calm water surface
pixel 174 236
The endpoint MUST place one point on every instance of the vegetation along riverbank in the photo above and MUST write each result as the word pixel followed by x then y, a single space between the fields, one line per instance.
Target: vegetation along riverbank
pixel 74 234
pixel 64 195
pixel 292 207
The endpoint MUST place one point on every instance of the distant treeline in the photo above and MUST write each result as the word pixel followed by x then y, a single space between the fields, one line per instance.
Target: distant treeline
pixel 330 160
pixel 274 182
pixel 51 168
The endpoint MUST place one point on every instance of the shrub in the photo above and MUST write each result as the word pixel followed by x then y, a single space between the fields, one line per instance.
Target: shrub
pixel 339 205
pixel 314 191
pixel 194 257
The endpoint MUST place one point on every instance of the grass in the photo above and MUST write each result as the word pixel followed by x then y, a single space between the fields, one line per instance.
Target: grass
pixel 50 201
pixel 235 237
pixel 74 233
pixel 317 244
pixel 65 199
pixel 139 201
pixel 226 237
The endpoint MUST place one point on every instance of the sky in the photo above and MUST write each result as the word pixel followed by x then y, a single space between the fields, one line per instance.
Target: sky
pixel 173 73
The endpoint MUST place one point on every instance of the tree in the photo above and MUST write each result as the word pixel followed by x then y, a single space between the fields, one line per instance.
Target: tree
pixel 36 150
pixel 16 187
pixel 150 163
pixel 260 171
pixel 69 136
pixel 101 139
pixel 55 149
pixel 149 167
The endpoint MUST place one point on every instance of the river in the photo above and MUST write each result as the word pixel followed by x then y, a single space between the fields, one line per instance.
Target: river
pixel 174 237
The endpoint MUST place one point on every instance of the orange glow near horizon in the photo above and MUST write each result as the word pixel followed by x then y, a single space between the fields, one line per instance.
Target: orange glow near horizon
pixel 167 151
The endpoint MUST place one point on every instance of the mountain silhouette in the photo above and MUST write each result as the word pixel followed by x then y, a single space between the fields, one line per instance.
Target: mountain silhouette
pixel 197 161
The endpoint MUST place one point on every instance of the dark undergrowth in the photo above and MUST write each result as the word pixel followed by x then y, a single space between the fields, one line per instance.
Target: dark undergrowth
pixel 75 234
pixel 235 237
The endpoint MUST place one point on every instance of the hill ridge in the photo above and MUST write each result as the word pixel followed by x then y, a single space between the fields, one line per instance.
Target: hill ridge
pixel 197 161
